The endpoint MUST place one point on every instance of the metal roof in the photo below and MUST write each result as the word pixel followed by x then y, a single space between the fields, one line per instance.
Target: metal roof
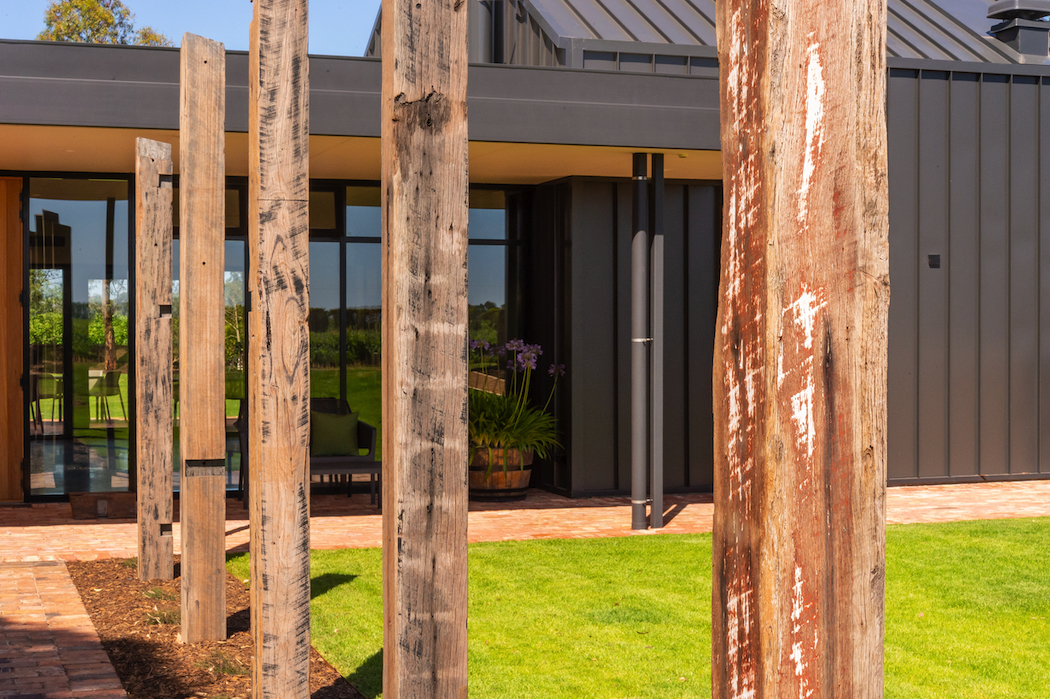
pixel 953 30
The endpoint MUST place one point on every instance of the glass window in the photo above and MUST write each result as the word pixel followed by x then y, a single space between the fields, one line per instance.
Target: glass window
pixel 487 219
pixel 322 214
pixel 79 300
pixel 324 319
pixel 486 293
pixel 363 215
pixel 364 314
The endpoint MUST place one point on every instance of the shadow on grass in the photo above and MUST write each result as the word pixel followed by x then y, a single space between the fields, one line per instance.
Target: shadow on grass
pixel 328 582
pixel 368 677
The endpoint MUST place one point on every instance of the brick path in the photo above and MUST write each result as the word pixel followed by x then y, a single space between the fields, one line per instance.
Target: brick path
pixel 48 647
pixel 43 625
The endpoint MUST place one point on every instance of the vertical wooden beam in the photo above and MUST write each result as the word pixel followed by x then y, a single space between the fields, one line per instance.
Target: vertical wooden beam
pixel 153 390
pixel 202 387
pixel 800 355
pixel 424 191
pixel 279 393
pixel 11 341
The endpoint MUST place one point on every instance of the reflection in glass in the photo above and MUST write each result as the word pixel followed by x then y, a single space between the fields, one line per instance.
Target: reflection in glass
pixel 322 213
pixel 78 336
pixel 363 217
pixel 363 325
pixel 486 292
pixel 487 224
pixel 234 351
pixel 324 319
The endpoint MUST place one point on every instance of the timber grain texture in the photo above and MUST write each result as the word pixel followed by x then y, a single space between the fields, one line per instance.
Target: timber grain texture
pixel 424 199
pixel 11 416
pixel 800 351
pixel 202 324
pixel 153 387
pixel 279 368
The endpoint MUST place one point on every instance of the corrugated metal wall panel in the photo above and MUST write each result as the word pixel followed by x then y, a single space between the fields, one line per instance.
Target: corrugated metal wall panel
pixel 1044 276
pixel 969 355
pixel 702 259
pixel 676 349
pixel 623 331
pixel 963 270
pixel 1024 276
pixel 995 275
pixel 597 323
pixel 902 117
pixel 933 282
pixel 593 332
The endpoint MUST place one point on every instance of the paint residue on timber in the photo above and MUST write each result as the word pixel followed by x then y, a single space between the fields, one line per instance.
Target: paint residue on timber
pixel 802 315
pixel 814 130
pixel 800 608
pixel 742 360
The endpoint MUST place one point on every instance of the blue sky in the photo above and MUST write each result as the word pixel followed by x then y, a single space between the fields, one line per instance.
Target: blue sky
pixel 337 27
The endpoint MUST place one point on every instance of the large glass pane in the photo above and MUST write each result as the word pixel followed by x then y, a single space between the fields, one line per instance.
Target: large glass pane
pixel 235 346
pixel 324 319
pixel 486 292
pixel 78 335
pixel 487 219
pixel 363 216
pixel 364 318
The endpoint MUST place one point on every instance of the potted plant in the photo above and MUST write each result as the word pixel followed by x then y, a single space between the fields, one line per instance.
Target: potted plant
pixel 506 431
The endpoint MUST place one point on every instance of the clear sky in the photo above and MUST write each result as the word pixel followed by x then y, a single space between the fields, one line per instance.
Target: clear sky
pixel 337 27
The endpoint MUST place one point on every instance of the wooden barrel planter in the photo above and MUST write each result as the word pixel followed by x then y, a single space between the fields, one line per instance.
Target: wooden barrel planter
pixel 500 485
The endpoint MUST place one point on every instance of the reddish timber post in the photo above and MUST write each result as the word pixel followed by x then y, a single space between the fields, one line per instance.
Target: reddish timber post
pixel 800 351
pixel 424 117
pixel 153 393
pixel 279 368
pixel 202 332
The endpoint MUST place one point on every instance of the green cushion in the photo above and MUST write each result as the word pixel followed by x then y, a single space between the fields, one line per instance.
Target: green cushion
pixel 333 435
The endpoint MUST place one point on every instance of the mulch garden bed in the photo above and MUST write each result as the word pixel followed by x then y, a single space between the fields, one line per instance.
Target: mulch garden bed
pixel 138 623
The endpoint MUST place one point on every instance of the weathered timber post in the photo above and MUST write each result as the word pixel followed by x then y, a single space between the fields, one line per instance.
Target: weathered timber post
pixel 202 384
pixel 279 368
pixel 153 394
pixel 800 351
pixel 424 128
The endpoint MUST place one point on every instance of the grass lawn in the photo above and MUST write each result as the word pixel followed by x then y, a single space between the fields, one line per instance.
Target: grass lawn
pixel 967 614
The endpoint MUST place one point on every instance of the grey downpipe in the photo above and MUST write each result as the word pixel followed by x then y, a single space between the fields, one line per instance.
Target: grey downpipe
pixel 656 360
pixel 639 342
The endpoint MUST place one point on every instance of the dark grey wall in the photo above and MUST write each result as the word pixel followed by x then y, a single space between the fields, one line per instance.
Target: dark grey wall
pixel 969 364
pixel 580 264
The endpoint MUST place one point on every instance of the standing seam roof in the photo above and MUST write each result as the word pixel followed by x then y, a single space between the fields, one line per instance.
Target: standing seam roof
pixel 924 29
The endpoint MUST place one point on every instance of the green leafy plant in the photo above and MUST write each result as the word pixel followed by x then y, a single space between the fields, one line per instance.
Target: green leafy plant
pixel 502 420
pixel 96 22
pixel 159 593
pixel 163 617
pixel 222 664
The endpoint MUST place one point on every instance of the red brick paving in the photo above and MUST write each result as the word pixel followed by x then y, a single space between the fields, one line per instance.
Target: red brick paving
pixel 48 647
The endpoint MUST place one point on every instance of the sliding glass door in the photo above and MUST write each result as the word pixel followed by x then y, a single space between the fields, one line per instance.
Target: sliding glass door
pixel 78 306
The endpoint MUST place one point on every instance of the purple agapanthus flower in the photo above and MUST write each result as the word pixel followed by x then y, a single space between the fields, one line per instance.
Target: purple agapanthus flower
pixel 483 344
pixel 557 370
